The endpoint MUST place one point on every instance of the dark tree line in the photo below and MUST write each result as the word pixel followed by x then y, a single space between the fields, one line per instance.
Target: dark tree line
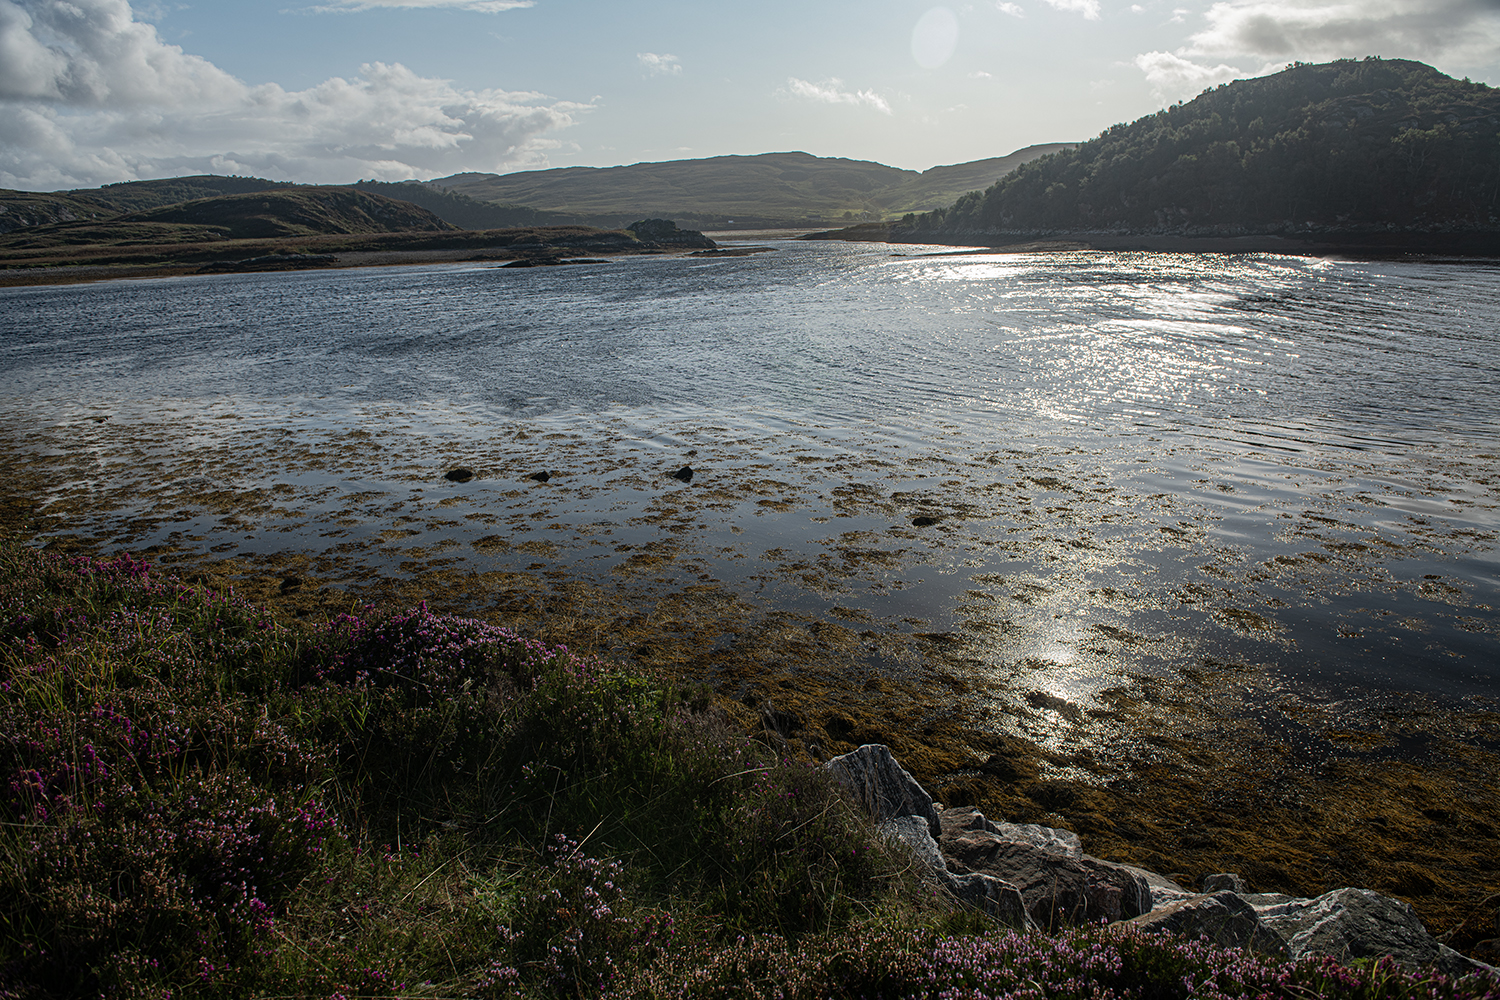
pixel 1361 145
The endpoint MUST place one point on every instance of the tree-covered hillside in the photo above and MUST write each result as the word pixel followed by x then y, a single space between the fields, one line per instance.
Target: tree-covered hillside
pixel 1350 145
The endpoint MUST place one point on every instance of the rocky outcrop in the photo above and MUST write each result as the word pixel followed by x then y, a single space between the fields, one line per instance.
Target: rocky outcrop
pixel 990 895
pixel 1349 924
pixel 664 233
pixel 883 787
pixel 970 820
pixel 1222 917
pixel 1058 889
pixel 1024 874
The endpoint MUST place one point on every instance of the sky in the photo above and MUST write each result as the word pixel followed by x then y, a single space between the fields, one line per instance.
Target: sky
pixel 332 91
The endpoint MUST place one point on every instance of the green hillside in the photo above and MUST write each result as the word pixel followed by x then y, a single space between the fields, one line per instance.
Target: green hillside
pixel 25 209
pixel 139 196
pixel 1349 146
pixel 465 212
pixel 786 187
pixel 298 212
pixel 271 214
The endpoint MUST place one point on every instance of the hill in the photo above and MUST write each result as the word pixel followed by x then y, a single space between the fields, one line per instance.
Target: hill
pixel 771 189
pixel 25 209
pixel 313 211
pixel 139 196
pixel 767 188
pixel 268 214
pixel 465 212
pixel 1351 147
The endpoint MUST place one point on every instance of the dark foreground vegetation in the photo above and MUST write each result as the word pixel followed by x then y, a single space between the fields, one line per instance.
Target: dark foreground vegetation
pixel 1351 146
pixel 201 801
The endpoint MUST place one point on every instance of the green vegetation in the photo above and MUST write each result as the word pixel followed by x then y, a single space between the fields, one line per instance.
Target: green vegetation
pixel 24 209
pixel 282 213
pixel 312 211
pixel 465 212
pixel 140 196
pixel 1356 146
pixel 200 801
pixel 771 188
pixel 776 188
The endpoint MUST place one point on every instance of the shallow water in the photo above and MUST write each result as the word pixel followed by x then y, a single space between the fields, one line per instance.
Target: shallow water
pixel 1135 464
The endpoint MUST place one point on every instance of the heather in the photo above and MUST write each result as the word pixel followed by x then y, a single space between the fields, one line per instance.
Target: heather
pixel 201 800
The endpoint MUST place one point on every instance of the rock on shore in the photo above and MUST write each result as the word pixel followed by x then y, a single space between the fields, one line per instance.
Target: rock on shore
pixel 1034 876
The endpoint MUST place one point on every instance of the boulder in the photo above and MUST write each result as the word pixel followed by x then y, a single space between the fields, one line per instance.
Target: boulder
pixel 992 896
pixel 1057 889
pixel 1349 924
pixel 1223 882
pixel 885 788
pixel 960 819
pixel 1222 917
pixel 1163 890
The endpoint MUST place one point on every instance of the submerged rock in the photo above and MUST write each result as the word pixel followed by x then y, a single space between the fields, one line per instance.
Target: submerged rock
pixel 540 477
pixel 459 475
pixel 684 474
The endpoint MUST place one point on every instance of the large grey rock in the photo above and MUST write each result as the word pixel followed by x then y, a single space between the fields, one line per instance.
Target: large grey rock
pixel 914 833
pixel 1163 890
pixel 1057 889
pixel 992 896
pixel 1348 924
pixel 1222 917
pixel 967 819
pixel 885 788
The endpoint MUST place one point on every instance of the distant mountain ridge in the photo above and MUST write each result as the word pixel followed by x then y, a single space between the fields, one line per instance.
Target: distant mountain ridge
pixel 791 187
pixel 1352 147
pixel 769 189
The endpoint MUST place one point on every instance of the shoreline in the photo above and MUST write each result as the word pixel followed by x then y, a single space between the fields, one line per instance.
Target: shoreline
pixel 38 266
pixel 1181 776
pixel 1457 245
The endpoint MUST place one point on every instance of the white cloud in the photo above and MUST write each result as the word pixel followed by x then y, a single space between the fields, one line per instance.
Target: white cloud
pixel 1316 30
pixel 1270 33
pixel 1088 8
pixel 1171 76
pixel 482 6
pixel 831 92
pixel 1014 10
pixel 980 74
pixel 659 65
pixel 90 95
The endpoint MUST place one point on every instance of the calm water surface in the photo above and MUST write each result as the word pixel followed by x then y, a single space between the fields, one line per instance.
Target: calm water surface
pixel 1132 462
